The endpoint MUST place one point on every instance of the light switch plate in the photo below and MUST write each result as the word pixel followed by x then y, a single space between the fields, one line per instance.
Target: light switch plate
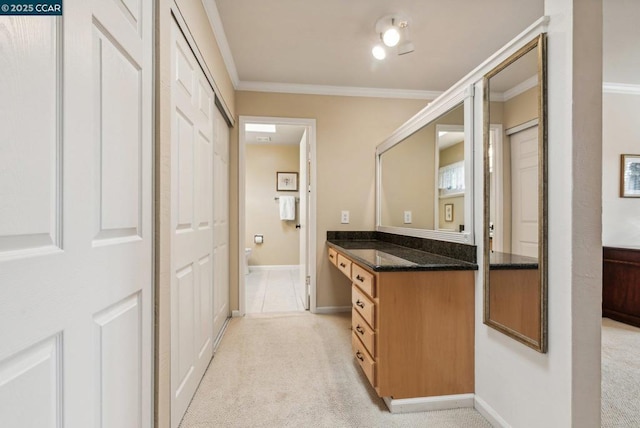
pixel 407 217
pixel 344 217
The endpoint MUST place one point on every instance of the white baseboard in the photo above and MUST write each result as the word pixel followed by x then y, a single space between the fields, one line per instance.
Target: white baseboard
pixel 489 414
pixel 332 309
pixel 253 268
pixel 425 404
pixel 236 314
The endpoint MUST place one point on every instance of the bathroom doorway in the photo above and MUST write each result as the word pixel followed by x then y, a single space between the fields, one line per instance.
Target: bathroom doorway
pixel 276 215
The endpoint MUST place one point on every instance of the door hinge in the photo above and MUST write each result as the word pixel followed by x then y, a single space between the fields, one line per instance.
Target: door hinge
pixel 308 280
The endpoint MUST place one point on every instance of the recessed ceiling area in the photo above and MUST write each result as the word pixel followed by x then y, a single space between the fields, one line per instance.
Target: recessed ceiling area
pixel 285 134
pixel 329 42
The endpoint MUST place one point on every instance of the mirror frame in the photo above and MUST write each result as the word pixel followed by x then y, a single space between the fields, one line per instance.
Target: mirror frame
pixel 429 114
pixel 538 43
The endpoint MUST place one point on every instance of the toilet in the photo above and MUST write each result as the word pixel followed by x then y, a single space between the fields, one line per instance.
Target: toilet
pixel 247 254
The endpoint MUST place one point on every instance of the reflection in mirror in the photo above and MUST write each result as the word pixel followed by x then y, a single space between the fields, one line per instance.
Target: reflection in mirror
pixel 424 173
pixel 515 196
pixel 450 181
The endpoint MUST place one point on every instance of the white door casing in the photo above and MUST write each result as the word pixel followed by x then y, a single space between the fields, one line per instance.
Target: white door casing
pixel 524 193
pixel 76 217
pixel 497 188
pixel 303 219
pixel 193 140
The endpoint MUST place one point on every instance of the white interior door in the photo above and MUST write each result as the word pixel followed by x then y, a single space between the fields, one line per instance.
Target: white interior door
pixel 221 224
pixel 192 259
pixel 76 217
pixel 524 192
pixel 303 219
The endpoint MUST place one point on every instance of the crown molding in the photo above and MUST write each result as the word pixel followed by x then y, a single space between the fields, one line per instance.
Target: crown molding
pixel 218 31
pixel 345 91
pixel 620 88
pixel 531 82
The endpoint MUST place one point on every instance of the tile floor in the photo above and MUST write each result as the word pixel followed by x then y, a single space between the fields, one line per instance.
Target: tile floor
pixel 274 290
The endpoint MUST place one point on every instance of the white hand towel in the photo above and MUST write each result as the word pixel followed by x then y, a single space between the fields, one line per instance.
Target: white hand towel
pixel 287 208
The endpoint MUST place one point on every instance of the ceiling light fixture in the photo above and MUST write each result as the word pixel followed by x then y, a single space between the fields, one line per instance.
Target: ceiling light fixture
pixel 393 31
pixel 391 37
pixel 379 52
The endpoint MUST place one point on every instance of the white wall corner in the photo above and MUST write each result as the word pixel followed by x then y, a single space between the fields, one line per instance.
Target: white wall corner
pixel 489 413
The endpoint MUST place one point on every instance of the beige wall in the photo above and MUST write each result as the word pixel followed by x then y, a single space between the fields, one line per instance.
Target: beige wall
pixel 451 154
pixel 521 109
pixel 281 238
pixel 407 182
pixel 198 24
pixel 348 130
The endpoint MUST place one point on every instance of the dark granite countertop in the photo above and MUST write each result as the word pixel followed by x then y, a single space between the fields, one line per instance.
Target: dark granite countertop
pixel 381 256
pixel 508 261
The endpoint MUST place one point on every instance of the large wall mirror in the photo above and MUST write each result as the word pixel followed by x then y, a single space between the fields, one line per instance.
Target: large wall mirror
pixel 424 180
pixel 515 196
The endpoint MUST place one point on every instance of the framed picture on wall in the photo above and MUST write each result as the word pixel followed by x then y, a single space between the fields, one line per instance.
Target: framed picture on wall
pixel 287 181
pixel 448 212
pixel 630 176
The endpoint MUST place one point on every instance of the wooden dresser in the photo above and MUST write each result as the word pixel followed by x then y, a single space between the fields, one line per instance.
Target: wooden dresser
pixel 412 330
pixel 621 284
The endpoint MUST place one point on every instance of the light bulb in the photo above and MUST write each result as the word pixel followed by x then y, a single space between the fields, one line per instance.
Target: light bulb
pixel 378 52
pixel 391 37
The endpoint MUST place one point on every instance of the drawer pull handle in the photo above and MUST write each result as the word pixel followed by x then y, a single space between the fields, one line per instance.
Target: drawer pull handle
pixel 359 356
pixel 359 329
pixel 360 303
pixel 330 256
pixel 360 278
pixel 343 265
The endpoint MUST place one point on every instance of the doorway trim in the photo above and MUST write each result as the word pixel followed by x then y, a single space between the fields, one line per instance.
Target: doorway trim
pixel 310 125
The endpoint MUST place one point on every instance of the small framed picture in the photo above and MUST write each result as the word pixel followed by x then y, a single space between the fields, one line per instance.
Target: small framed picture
pixel 448 212
pixel 630 176
pixel 287 181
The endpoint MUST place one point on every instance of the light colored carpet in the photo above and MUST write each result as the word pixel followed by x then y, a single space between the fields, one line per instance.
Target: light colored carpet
pixel 296 370
pixel 620 375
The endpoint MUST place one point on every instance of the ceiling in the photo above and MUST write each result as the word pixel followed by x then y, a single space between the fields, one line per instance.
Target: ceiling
pixel 324 47
pixel 328 42
pixel 299 45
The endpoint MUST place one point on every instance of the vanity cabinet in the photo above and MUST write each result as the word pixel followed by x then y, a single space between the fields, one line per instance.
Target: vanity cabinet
pixel 412 330
pixel 621 284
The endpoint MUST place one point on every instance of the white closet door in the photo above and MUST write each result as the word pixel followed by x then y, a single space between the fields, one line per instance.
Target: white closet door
pixel 75 217
pixel 221 225
pixel 192 146
pixel 524 192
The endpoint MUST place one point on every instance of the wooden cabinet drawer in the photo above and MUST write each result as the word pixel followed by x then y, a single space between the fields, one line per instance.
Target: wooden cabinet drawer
pixel 333 256
pixel 363 279
pixel 365 333
pixel 364 305
pixel 363 358
pixel 344 264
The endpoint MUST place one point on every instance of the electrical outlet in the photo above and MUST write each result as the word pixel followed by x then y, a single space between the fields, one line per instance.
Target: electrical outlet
pixel 344 217
pixel 407 217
